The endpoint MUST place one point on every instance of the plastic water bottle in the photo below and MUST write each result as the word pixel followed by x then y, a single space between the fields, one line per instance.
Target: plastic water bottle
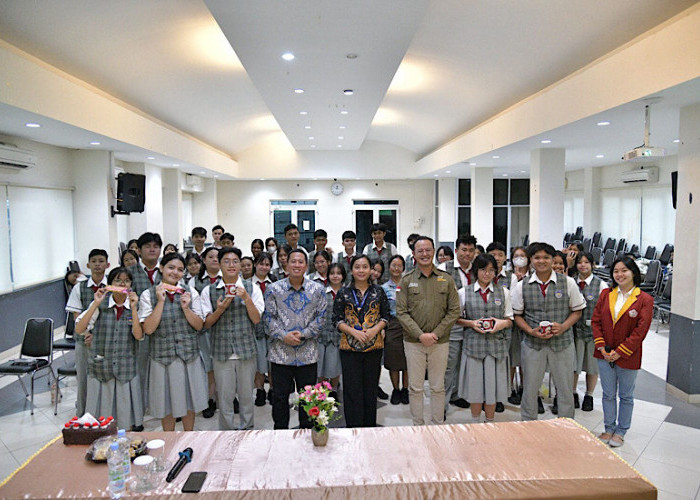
pixel 117 478
pixel 124 445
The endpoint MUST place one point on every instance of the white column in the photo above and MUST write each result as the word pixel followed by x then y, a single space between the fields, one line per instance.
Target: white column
pixel 547 195
pixel 172 207
pixel 684 340
pixel 94 226
pixel 591 200
pixel 447 209
pixel 482 204
pixel 154 199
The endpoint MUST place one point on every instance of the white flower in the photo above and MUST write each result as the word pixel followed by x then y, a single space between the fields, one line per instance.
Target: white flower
pixel 322 418
pixel 330 399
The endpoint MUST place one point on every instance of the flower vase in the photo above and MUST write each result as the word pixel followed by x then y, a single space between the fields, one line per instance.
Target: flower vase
pixel 319 438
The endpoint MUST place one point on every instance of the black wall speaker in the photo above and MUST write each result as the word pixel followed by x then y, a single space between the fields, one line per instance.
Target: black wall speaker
pixel 131 192
pixel 674 187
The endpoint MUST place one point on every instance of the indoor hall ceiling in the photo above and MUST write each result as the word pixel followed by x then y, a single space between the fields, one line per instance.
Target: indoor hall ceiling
pixel 465 62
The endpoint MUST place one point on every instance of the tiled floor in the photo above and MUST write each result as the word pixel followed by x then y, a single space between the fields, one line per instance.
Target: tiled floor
pixel 667 453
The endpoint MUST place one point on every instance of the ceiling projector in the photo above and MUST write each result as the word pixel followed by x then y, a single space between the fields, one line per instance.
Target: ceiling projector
pixel 643 152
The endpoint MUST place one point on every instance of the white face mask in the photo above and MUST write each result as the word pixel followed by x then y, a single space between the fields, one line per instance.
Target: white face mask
pixel 520 262
pixel 271 249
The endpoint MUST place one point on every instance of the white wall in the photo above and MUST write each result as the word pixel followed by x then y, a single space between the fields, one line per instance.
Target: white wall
pixel 243 206
pixel 52 165
pixel 205 208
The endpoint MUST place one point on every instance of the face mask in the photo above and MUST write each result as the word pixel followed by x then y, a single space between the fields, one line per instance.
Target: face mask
pixel 520 262
pixel 271 249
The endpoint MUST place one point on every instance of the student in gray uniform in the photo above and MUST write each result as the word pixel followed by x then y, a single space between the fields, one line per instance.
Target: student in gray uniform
pixel 546 306
pixel 171 315
pixel 349 251
pixel 232 308
pixel 329 367
pixel 262 277
pixel 380 249
pixel 484 367
pixel 113 386
pixel 591 287
pixel 79 300
pixel 409 259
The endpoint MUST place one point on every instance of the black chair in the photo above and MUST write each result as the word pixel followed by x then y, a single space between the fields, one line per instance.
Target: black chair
pixel 634 250
pixel 67 343
pixel 621 245
pixel 662 304
pixel 609 244
pixel 567 239
pixel 62 372
pixel 665 256
pixel 587 244
pixel 604 272
pixel 578 235
pixel 651 278
pixel 596 239
pixel 526 240
pixel 650 253
pixel 36 353
pixel 597 254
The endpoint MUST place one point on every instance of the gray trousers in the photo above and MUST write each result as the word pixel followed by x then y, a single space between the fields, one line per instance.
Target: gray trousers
pixel 561 367
pixel 234 378
pixel 454 358
pixel 81 365
pixel 142 363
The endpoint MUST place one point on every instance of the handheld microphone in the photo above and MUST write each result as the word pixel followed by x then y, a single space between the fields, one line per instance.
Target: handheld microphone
pixel 185 458
pixel 609 349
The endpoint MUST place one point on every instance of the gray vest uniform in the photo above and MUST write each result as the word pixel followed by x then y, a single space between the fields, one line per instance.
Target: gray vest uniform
pixel 457 332
pixel 504 280
pixel 590 293
pixel 174 337
pixel 201 284
pixel 86 298
pixel 479 345
pixel 234 332
pixel 554 308
pixel 329 334
pixel 141 281
pixel 116 344
pixel 385 256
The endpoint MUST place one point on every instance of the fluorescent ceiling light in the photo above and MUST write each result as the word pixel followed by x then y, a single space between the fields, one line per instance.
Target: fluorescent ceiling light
pixel 298 91
pixel 32 125
pixel 603 124
pixel 288 56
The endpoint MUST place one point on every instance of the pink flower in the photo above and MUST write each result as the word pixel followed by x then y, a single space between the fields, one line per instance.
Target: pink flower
pixel 322 396
pixel 318 386
pixel 314 412
pixel 327 385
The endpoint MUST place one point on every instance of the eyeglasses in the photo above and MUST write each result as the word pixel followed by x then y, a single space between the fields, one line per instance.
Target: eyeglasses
pixel 122 282
pixel 487 271
pixel 228 262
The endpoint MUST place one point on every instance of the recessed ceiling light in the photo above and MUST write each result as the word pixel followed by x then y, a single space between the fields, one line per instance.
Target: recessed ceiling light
pixel 351 55
pixel 315 178
pixel 216 177
pixel 176 164
pixel 342 127
pixel 603 124
pixel 150 157
pixel 344 112
pixel 202 173
pixel 504 175
pixel 676 141
pixel 435 175
pixel 307 127
pixel 495 157
pixel 288 56
pixel 545 141
pixel 348 92
pixel 311 137
pixel 313 145
pixel 523 171
pixel 298 91
pixel 262 179
pixel 448 171
pixel 472 164
pixel 340 145
pixel 600 156
pixel 341 137
pixel 32 125
pixel 94 143
pixel 303 112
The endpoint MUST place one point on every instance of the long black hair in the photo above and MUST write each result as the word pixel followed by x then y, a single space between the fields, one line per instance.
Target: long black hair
pixel 630 264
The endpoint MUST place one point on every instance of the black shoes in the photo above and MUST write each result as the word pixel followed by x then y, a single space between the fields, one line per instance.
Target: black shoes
pixel 381 394
pixel 269 395
pixel 209 412
pixel 540 406
pixel 587 403
pixel 395 397
pixel 404 396
pixel 260 397
pixel 137 428
pixel 460 403
pixel 555 407
pixel 576 402
pixel 236 406
pixel 499 407
pixel 333 394
pixel 514 398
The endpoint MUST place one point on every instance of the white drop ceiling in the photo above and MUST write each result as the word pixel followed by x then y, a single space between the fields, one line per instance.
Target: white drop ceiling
pixel 425 72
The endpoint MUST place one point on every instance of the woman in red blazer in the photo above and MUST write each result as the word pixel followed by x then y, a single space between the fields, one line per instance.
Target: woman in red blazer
pixel 621 320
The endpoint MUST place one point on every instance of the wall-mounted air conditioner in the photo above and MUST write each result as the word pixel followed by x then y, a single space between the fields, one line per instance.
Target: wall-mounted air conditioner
pixel 192 184
pixel 14 158
pixel 644 174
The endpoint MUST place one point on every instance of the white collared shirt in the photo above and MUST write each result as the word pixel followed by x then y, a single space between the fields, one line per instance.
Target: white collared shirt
pixel 192 280
pixel 146 306
pixel 576 301
pixel 74 303
pixel 462 275
pixel 256 295
pixel 111 304
pixel 603 284
pixel 476 288
pixel 621 299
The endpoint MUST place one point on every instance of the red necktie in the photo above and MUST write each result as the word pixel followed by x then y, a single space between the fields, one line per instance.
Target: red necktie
pixel 333 294
pixel 581 285
pixel 495 280
pixel 325 282
pixel 120 310
pixel 150 274
pixel 543 288
pixel 379 251
pixel 485 295
pixel 95 288
pixel 171 296
pixel 262 286
pixel 348 258
pixel 213 280
pixel 466 275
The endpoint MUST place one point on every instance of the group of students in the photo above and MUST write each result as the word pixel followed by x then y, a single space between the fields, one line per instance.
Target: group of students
pixel 177 335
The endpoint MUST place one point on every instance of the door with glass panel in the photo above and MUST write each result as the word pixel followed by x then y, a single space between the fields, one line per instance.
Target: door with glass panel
pixel 368 212
pixel 301 212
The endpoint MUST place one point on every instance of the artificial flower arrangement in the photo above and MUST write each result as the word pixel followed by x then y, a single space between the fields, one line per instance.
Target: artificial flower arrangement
pixel 319 405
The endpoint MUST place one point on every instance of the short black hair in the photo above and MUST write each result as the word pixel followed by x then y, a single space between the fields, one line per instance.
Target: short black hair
pixel 114 273
pixel 340 268
pixel 465 239
pixel 579 246
pixel 263 256
pixel 563 258
pixel 630 264
pixel 149 237
pixel 134 240
pixel 378 226
pixel 98 251
pixel 482 261
pixel 132 253
pixel 248 257
pixel 298 250
pixel 289 227
pixel 227 236
pixel 218 226
pixel 271 239
pixel 259 242
pixel 170 245
pixel 320 233
pixel 199 231
pixel 378 262
pixel 588 256
pixel 496 245
pixel 423 238
pixel 173 256
pixel 446 250
pixel 283 248
pixel 225 250
pixel 539 246
pixel 349 234
pixel 323 254
pixel 397 256
pixel 359 257
pixel 480 248
pixel 207 251
pixel 193 255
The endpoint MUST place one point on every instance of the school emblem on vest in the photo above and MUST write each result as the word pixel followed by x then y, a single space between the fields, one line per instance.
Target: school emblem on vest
pixel 497 302
pixel 558 294
pixel 633 313
pixel 590 297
